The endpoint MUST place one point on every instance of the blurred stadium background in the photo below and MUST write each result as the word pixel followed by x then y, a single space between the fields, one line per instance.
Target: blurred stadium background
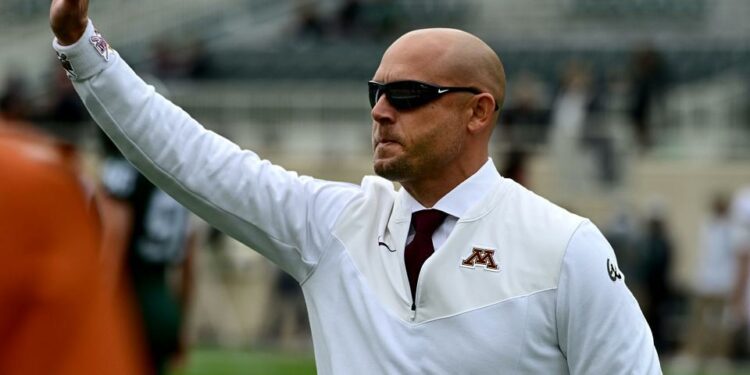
pixel 630 112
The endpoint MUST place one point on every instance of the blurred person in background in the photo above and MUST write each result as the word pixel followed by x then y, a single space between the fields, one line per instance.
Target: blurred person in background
pixel 740 217
pixel 60 312
pixel 435 100
pixel 372 20
pixel 164 60
pixel 715 277
pixel 522 124
pixel 65 107
pixel 601 131
pixel 623 232
pixel 649 79
pixel 287 318
pixel 570 114
pixel 656 251
pixel 515 166
pixel 349 17
pixel 14 104
pixel 174 61
pixel 158 242
pixel 526 118
pixel 309 25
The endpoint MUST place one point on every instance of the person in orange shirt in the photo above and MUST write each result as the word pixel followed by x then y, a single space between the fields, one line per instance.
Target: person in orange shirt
pixel 62 311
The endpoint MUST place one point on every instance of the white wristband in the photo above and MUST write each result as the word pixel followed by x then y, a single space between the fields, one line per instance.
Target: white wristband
pixel 86 57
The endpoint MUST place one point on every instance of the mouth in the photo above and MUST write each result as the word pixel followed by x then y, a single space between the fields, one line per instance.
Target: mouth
pixel 385 143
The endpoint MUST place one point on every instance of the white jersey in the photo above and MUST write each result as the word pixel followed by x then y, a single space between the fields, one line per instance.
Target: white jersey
pixel 519 286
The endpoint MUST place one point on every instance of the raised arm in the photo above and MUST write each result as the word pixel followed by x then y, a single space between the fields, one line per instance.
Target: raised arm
pixel 278 213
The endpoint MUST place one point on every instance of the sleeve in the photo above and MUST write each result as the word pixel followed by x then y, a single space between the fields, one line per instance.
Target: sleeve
pixel 285 217
pixel 601 328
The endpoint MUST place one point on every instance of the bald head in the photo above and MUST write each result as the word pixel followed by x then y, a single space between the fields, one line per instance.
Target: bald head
pixel 431 148
pixel 449 57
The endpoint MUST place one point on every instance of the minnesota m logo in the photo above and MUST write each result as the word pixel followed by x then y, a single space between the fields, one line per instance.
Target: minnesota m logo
pixel 485 257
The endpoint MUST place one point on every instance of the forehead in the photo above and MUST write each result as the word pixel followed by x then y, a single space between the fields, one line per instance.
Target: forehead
pixel 412 60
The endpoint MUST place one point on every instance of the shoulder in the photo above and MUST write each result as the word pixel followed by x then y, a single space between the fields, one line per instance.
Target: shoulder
pixel 46 186
pixel 547 229
pixel 541 219
pixel 373 203
pixel 589 250
pixel 35 160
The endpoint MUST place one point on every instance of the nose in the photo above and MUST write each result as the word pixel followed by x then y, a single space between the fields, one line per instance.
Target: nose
pixel 383 112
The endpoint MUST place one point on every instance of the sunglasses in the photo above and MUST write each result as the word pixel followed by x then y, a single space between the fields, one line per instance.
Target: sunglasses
pixel 404 95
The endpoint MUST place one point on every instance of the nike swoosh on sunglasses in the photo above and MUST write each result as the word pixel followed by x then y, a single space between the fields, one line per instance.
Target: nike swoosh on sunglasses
pixel 405 95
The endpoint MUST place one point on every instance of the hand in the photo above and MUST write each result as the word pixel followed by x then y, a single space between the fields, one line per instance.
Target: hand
pixel 68 19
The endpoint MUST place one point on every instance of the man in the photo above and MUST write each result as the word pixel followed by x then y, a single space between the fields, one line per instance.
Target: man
pixel 715 272
pixel 156 238
pixel 59 311
pixel 515 284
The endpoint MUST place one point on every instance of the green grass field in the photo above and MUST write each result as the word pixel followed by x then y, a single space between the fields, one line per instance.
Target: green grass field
pixel 224 362
pixel 227 362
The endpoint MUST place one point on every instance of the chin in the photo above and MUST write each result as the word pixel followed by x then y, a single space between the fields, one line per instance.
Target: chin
pixel 392 170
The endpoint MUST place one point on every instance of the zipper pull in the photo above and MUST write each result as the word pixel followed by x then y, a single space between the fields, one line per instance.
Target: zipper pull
pixel 413 311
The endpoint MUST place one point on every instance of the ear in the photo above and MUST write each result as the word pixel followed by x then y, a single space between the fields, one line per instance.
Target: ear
pixel 482 113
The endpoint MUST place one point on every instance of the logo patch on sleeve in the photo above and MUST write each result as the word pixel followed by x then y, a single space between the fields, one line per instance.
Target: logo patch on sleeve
pixel 613 272
pixel 101 45
pixel 67 65
pixel 482 257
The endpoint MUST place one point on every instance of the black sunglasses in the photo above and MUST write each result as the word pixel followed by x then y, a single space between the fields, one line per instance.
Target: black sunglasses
pixel 405 95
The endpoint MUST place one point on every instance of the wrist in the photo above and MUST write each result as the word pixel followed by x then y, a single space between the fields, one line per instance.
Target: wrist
pixel 68 32
pixel 86 56
pixel 71 37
